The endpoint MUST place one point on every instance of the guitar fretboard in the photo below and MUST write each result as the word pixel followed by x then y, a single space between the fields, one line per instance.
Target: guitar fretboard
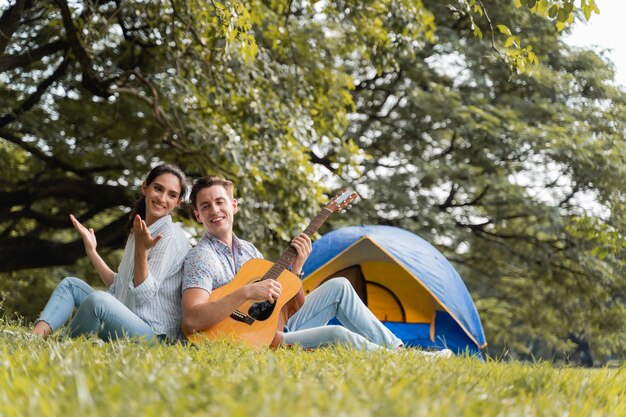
pixel 288 256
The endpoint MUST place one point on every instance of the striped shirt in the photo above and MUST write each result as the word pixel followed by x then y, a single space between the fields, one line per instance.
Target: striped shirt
pixel 211 263
pixel 157 300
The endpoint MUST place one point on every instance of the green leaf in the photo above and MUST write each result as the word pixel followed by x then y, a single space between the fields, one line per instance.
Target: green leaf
pixel 477 32
pixel 504 29
pixel 553 11
pixel 512 41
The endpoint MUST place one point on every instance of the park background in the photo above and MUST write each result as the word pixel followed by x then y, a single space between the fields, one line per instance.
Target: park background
pixel 473 124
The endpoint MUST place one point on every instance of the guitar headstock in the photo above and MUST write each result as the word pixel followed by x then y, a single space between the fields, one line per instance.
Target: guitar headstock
pixel 342 201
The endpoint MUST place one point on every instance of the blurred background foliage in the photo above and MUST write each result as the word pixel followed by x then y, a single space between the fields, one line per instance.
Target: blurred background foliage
pixel 470 123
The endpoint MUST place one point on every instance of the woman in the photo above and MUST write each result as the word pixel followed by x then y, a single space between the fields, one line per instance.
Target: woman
pixel 143 298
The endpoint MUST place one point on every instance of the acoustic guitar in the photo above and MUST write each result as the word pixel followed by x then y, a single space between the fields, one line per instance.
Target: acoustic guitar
pixel 259 324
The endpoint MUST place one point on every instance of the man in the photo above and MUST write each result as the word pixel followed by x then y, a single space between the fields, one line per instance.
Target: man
pixel 218 256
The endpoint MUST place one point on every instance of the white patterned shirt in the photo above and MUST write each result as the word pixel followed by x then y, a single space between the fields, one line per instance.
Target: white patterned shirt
pixel 157 300
pixel 211 263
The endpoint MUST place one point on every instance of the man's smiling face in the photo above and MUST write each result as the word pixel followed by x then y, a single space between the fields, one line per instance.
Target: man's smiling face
pixel 216 210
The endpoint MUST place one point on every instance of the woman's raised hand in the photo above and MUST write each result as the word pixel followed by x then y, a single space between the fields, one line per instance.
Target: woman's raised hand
pixel 88 235
pixel 89 239
pixel 143 239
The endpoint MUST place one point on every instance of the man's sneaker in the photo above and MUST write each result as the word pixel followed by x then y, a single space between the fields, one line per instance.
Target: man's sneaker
pixel 440 354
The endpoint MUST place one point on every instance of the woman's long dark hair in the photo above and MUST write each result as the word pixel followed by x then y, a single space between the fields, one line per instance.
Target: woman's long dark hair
pixel 140 205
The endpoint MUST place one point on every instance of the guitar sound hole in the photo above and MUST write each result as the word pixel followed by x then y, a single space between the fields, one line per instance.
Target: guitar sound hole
pixel 261 311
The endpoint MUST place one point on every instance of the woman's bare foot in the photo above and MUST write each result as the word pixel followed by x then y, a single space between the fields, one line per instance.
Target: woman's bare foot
pixel 42 329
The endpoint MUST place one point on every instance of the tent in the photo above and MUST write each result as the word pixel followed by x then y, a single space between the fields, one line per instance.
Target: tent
pixel 404 281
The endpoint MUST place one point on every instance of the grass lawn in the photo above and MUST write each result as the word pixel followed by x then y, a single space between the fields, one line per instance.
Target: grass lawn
pixel 81 378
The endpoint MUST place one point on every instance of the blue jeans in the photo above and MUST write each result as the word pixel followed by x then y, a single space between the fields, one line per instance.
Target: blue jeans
pixel 336 298
pixel 98 313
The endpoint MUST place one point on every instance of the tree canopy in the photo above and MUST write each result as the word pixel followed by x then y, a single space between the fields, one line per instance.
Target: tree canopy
pixel 470 123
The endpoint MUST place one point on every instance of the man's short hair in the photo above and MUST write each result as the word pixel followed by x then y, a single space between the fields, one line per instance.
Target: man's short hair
pixel 209 181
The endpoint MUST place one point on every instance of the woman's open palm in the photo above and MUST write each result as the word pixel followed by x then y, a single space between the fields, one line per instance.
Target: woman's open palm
pixel 143 238
pixel 88 235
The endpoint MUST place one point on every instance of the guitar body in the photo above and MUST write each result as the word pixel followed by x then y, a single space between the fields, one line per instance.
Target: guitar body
pixel 259 322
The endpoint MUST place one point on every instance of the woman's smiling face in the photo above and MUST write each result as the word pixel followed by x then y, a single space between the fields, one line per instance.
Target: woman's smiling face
pixel 162 196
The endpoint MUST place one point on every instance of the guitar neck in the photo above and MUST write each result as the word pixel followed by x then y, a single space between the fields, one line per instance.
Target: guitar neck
pixel 289 255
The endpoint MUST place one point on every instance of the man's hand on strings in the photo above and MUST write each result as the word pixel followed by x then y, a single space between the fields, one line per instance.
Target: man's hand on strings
pixel 303 246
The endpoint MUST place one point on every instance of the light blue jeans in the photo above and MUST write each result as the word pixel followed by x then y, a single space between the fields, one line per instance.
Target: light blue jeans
pixel 98 313
pixel 336 298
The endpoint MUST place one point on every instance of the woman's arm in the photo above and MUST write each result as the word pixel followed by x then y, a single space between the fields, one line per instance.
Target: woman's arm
pixel 155 262
pixel 143 242
pixel 90 242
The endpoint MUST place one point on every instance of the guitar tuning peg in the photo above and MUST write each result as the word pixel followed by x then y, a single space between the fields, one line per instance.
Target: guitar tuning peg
pixel 349 206
pixel 343 211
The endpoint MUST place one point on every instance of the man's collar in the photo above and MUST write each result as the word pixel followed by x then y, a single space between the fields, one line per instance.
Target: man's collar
pixel 215 240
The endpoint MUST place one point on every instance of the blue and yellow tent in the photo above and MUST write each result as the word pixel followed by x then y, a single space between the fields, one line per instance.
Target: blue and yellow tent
pixel 404 281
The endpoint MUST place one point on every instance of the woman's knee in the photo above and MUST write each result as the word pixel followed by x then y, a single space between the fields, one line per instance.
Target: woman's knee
pixel 70 282
pixel 96 300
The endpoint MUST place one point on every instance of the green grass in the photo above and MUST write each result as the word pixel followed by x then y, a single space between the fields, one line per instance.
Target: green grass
pixel 78 377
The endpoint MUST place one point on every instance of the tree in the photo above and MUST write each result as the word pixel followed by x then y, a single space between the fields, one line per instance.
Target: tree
pixel 81 78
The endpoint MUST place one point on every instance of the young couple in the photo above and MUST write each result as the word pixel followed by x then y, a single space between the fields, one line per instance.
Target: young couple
pixel 143 299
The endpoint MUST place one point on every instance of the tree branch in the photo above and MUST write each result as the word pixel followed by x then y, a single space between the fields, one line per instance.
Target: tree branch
pixel 493 35
pixel 373 116
pixel 10 62
pixel 26 252
pixel 324 161
pixel 366 83
pixel 90 81
pixel 36 96
pixel 449 201
pixel 55 162
pixel 450 198
pixel 10 21
pixel 451 148
pixel 100 195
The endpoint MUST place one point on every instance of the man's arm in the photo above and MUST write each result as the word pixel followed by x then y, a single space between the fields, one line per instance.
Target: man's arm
pixel 200 313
